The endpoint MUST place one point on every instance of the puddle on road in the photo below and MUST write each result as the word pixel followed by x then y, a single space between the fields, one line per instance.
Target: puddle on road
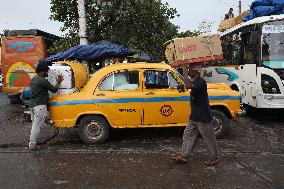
pixel 58 182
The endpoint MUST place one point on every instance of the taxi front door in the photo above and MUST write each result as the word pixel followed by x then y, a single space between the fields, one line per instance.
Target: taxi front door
pixel 163 104
pixel 119 98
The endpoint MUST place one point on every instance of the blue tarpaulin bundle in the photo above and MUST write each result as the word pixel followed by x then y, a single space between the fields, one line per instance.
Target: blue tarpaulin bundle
pixel 91 52
pixel 26 95
pixel 144 57
pixel 265 8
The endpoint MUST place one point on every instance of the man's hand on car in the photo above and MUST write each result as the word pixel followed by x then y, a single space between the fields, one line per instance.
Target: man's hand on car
pixel 59 79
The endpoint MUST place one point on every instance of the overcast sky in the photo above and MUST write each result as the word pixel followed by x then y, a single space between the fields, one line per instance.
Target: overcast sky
pixel 34 14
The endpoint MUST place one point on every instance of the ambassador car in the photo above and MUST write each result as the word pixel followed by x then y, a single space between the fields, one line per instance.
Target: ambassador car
pixel 140 95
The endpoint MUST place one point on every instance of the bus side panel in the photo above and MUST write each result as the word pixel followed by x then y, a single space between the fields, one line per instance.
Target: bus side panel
pixel 222 74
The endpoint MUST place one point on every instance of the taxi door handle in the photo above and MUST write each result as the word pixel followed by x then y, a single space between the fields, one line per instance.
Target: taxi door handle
pixel 100 94
pixel 149 93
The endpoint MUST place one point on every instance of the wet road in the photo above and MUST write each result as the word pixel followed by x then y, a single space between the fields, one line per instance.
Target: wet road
pixel 252 156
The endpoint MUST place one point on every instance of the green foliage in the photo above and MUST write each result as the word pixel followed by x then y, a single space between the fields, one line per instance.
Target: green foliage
pixel 205 27
pixel 64 43
pixel 3 34
pixel 139 24
pixel 188 33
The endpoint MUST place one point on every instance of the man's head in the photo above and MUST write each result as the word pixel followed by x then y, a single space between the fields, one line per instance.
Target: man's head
pixel 194 71
pixel 42 69
pixel 231 10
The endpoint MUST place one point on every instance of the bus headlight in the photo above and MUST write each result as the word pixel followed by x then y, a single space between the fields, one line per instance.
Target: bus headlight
pixel 266 83
pixel 269 85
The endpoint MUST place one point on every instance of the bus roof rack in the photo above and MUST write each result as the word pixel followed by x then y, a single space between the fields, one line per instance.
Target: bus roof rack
pixel 257 20
pixel 33 32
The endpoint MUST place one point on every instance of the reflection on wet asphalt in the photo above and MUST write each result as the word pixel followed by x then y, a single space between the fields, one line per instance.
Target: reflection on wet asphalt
pixel 251 156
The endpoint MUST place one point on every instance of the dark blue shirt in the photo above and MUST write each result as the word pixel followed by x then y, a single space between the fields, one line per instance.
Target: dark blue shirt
pixel 200 110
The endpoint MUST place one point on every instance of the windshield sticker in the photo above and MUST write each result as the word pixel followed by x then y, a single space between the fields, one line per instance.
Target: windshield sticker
pixel 166 110
pixel 273 29
pixel 232 76
pixel 207 73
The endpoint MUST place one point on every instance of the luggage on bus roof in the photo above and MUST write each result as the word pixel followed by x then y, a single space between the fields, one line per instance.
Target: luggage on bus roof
pixel 260 8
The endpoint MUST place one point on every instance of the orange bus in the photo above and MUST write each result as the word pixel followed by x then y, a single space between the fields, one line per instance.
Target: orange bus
pixel 20 53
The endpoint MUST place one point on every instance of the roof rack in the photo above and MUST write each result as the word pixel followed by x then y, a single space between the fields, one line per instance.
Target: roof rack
pixel 33 32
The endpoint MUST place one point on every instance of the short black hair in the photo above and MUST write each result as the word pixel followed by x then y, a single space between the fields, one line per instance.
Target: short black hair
pixel 231 9
pixel 41 67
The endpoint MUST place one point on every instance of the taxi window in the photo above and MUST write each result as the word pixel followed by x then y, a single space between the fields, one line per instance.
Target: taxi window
pixel 127 80
pixel 159 80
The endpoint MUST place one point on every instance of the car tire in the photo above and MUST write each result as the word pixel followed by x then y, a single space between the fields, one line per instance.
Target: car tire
pixel 93 129
pixel 220 123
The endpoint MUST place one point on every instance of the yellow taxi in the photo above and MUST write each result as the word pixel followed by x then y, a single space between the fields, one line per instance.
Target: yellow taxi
pixel 138 95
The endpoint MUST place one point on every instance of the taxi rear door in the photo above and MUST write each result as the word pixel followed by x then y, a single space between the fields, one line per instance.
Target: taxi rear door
pixel 163 103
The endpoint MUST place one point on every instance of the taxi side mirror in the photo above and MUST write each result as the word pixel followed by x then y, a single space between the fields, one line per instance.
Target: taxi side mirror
pixel 181 88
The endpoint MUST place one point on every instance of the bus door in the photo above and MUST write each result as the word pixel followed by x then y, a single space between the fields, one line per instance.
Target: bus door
pixel 248 70
pixel 248 87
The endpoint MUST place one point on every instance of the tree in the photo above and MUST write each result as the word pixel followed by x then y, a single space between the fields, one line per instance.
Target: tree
pixel 4 34
pixel 205 27
pixel 188 33
pixel 143 25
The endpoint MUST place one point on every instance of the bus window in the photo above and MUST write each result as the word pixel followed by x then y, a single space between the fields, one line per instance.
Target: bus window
pixel 227 50
pixel 248 55
pixel 273 47
pixel 250 52
pixel 233 49
pixel 237 53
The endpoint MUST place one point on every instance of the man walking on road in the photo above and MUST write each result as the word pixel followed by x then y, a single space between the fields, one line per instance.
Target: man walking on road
pixel 200 118
pixel 39 99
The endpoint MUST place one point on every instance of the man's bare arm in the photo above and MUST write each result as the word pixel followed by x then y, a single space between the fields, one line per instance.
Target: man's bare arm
pixel 185 78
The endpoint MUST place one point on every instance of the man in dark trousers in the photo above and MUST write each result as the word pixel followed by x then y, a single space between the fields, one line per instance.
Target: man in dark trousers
pixel 39 99
pixel 200 117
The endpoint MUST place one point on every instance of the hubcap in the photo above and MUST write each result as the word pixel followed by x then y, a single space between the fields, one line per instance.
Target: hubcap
pixel 217 124
pixel 94 129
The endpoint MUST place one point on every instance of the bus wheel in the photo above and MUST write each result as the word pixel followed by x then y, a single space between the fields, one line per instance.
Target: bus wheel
pixel 93 129
pixel 220 123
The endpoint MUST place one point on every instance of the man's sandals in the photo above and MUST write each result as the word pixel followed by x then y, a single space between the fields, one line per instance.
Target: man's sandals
pixel 181 159
pixel 39 146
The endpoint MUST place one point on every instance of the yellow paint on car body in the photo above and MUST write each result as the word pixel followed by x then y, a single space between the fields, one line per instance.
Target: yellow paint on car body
pixel 137 108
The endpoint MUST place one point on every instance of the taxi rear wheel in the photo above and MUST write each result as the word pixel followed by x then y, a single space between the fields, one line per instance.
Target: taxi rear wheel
pixel 220 123
pixel 93 129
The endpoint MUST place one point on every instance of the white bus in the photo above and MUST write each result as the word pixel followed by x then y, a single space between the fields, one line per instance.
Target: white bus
pixel 254 62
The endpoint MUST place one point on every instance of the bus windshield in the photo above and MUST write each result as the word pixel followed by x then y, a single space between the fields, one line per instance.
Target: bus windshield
pixel 273 45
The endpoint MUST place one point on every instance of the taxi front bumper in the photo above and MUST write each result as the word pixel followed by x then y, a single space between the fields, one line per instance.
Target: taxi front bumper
pixel 238 114
pixel 241 113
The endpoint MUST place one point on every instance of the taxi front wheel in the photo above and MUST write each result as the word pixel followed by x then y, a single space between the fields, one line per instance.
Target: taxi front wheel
pixel 93 129
pixel 220 123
